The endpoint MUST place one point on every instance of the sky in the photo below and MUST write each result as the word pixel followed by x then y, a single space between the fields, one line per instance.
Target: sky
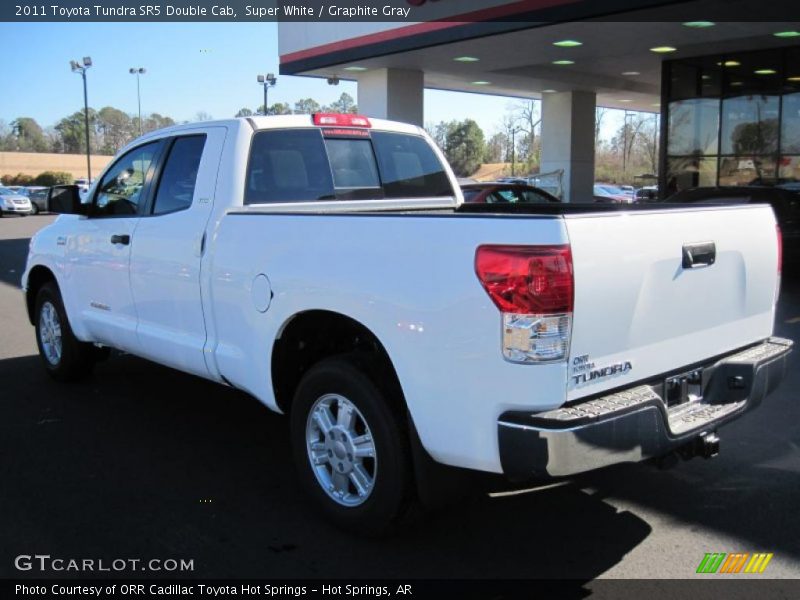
pixel 191 68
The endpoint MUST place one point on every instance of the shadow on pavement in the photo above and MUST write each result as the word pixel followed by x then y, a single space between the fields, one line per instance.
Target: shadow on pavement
pixel 12 260
pixel 143 461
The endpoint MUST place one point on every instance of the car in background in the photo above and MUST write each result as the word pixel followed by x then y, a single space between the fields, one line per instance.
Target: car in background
pixel 785 204
pixel 14 203
pixel 495 192
pixel 648 193
pixel 605 192
pixel 38 197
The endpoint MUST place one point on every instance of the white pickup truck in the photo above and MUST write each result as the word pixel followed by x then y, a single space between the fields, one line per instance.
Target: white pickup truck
pixel 327 265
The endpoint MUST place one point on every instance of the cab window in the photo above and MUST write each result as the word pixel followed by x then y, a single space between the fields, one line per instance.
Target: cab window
pixel 120 192
pixel 179 175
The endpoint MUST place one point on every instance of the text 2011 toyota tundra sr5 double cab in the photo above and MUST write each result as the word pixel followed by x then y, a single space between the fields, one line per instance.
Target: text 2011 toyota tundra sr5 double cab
pixel 326 265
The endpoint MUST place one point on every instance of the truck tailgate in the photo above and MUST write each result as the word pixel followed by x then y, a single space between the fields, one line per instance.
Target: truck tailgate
pixel 640 312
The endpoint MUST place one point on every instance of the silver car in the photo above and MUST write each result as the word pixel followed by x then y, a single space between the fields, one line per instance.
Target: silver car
pixel 12 202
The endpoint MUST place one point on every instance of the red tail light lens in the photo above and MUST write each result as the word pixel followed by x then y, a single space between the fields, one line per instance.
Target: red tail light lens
pixel 527 279
pixel 341 120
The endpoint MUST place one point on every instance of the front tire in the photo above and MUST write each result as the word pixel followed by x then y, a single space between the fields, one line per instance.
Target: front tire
pixel 65 358
pixel 350 447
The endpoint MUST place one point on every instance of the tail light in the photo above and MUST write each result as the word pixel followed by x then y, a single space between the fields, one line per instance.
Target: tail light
pixel 533 287
pixel 341 120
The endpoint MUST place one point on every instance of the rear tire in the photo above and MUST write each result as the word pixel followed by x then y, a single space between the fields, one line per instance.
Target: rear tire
pixel 65 358
pixel 351 448
pixel 34 209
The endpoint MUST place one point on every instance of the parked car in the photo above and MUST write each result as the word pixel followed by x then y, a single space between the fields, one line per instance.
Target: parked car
pixel 327 265
pixel 784 202
pixel 608 193
pixel 38 197
pixel 14 203
pixel 648 193
pixel 499 193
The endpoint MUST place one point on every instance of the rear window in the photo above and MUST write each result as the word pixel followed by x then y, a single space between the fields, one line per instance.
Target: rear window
pixel 299 165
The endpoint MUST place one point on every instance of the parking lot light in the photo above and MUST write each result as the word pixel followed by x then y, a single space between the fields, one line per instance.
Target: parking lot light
pixel 138 71
pixel 268 80
pixel 80 67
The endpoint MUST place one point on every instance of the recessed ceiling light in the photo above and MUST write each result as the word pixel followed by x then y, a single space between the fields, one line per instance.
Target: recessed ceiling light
pixel 631 73
pixel 787 34
pixel 662 49
pixel 736 83
pixel 480 82
pixel 765 72
pixel 706 77
pixel 625 100
pixel 568 43
pixel 731 63
pixel 793 78
pixel 699 24
pixel 355 68
pixel 548 91
pixel 563 62
pixel 466 59
pixel 657 105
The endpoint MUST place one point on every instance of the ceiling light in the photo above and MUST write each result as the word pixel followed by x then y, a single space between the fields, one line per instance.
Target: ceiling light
pixel 355 68
pixel 662 49
pixel 631 73
pixel 794 78
pixel 731 63
pixel 626 100
pixel 765 72
pixel 466 59
pixel 480 82
pixel 706 77
pixel 548 91
pixel 699 24
pixel 787 34
pixel 736 83
pixel 568 43
pixel 563 62
pixel 657 105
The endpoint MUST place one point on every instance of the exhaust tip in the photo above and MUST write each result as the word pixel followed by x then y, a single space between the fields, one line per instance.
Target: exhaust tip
pixel 708 445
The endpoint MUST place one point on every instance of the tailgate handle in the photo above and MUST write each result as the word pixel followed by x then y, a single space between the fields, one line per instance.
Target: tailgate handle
pixel 700 254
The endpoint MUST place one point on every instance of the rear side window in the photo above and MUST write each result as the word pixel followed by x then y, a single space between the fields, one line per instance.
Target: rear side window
pixel 176 186
pixel 288 166
pixel 296 165
pixel 409 168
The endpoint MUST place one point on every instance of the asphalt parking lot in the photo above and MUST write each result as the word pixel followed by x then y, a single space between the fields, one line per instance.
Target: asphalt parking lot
pixel 143 461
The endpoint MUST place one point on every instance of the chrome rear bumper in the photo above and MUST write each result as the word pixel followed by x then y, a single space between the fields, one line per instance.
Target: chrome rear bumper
pixel 633 424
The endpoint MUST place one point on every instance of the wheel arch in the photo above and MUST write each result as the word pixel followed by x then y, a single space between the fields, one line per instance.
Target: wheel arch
pixel 37 277
pixel 310 336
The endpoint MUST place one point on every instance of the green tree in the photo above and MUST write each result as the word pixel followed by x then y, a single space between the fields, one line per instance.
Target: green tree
pixel 115 129
pixel 465 147
pixel 157 121
pixel 345 104
pixel 306 106
pixel 27 135
pixel 71 129
pixel 496 148
pixel 279 108
pixel 244 112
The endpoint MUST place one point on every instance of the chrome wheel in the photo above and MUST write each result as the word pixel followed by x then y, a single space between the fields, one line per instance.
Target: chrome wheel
pixel 341 450
pixel 50 333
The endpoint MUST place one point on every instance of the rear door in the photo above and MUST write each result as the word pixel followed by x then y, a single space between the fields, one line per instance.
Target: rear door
pixel 168 246
pixel 641 311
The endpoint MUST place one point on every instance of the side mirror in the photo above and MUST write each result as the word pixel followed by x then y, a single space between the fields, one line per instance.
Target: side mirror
pixel 66 200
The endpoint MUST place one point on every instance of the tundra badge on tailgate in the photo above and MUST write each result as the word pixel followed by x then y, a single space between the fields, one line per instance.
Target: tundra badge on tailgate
pixel 584 371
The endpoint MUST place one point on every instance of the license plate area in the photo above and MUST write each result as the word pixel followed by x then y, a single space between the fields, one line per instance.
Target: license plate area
pixel 683 388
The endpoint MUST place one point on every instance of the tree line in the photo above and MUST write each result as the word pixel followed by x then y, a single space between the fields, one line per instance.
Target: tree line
pixel 110 128
pixel 632 150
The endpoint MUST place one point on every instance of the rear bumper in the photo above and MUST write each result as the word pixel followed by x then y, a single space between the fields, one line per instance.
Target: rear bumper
pixel 633 424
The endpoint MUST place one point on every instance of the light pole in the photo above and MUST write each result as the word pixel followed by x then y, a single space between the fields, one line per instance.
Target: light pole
pixel 625 146
pixel 80 67
pixel 138 71
pixel 268 80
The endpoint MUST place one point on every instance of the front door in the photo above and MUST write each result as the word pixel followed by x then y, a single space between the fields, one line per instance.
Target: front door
pixel 99 250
